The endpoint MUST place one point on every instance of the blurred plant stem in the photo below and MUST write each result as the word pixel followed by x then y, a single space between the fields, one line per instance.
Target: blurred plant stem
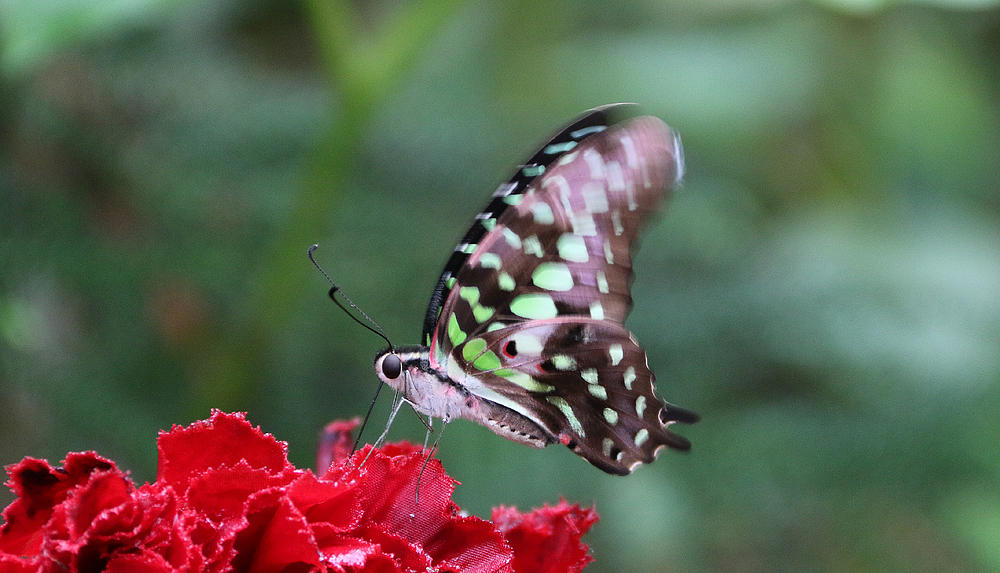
pixel 365 64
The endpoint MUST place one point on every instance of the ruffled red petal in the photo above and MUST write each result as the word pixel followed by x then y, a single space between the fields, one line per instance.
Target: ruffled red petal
pixel 223 440
pixel 547 540
pixel 40 488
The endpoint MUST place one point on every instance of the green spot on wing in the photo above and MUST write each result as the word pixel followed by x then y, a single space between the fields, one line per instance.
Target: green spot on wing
pixel 590 375
pixel 532 246
pixel 473 349
pixel 512 238
pixel 567 411
pixel 533 170
pixel 641 436
pixel 602 283
pixel 597 391
pixel 524 381
pixel 506 282
pixel 640 405
pixel 543 213
pixel 611 416
pixel 564 362
pixel 513 199
pixel 482 313
pixel 455 333
pixel 572 248
pixel 487 361
pixel 534 306
pixel 490 261
pixel 585 131
pixel 553 276
pixel 470 294
pixel 568 158
pixel 597 310
pixel 606 446
pixel 560 147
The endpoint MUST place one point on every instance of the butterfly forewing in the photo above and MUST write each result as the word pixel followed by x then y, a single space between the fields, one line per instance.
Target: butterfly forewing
pixel 563 248
pixel 595 121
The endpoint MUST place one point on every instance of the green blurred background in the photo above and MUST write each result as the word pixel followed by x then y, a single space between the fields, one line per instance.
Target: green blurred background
pixel 825 290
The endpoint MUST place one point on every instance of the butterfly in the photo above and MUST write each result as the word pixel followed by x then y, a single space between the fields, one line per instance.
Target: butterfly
pixel 524 332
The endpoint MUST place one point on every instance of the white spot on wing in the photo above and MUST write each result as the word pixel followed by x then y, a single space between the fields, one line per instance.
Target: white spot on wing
pixel 532 246
pixel 616 352
pixel 504 189
pixel 512 239
pixel 567 158
pixel 630 155
pixel 596 310
pixel 527 344
pixel 615 177
pixel 616 221
pixel 678 158
pixel 596 164
pixel 602 283
pixel 556 181
pixel 641 436
pixel 629 377
pixel 542 213
pixel 595 197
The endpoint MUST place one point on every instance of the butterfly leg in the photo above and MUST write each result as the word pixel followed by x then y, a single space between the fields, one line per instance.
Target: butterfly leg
pixel 430 453
pixel 397 402
pixel 430 430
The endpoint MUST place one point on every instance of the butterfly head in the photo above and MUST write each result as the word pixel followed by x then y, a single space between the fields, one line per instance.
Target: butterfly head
pixel 395 365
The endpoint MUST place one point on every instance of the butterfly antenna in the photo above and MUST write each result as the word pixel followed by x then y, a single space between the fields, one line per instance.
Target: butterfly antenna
pixel 335 290
pixel 370 325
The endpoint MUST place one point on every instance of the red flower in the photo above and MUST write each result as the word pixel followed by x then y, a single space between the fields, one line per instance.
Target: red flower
pixel 226 498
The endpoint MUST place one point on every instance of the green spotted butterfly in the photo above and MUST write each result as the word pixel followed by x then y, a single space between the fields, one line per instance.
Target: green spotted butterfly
pixel 524 333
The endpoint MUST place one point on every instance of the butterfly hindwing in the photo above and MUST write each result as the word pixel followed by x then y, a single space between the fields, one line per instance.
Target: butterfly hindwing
pixel 588 378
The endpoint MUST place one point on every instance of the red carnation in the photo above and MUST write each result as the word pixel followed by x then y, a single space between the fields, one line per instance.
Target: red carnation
pixel 226 498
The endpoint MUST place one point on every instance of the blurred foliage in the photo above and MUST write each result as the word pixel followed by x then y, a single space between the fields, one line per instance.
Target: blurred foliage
pixel 825 290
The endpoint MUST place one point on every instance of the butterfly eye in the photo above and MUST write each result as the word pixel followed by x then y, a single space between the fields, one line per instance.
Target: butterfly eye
pixel 392 366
